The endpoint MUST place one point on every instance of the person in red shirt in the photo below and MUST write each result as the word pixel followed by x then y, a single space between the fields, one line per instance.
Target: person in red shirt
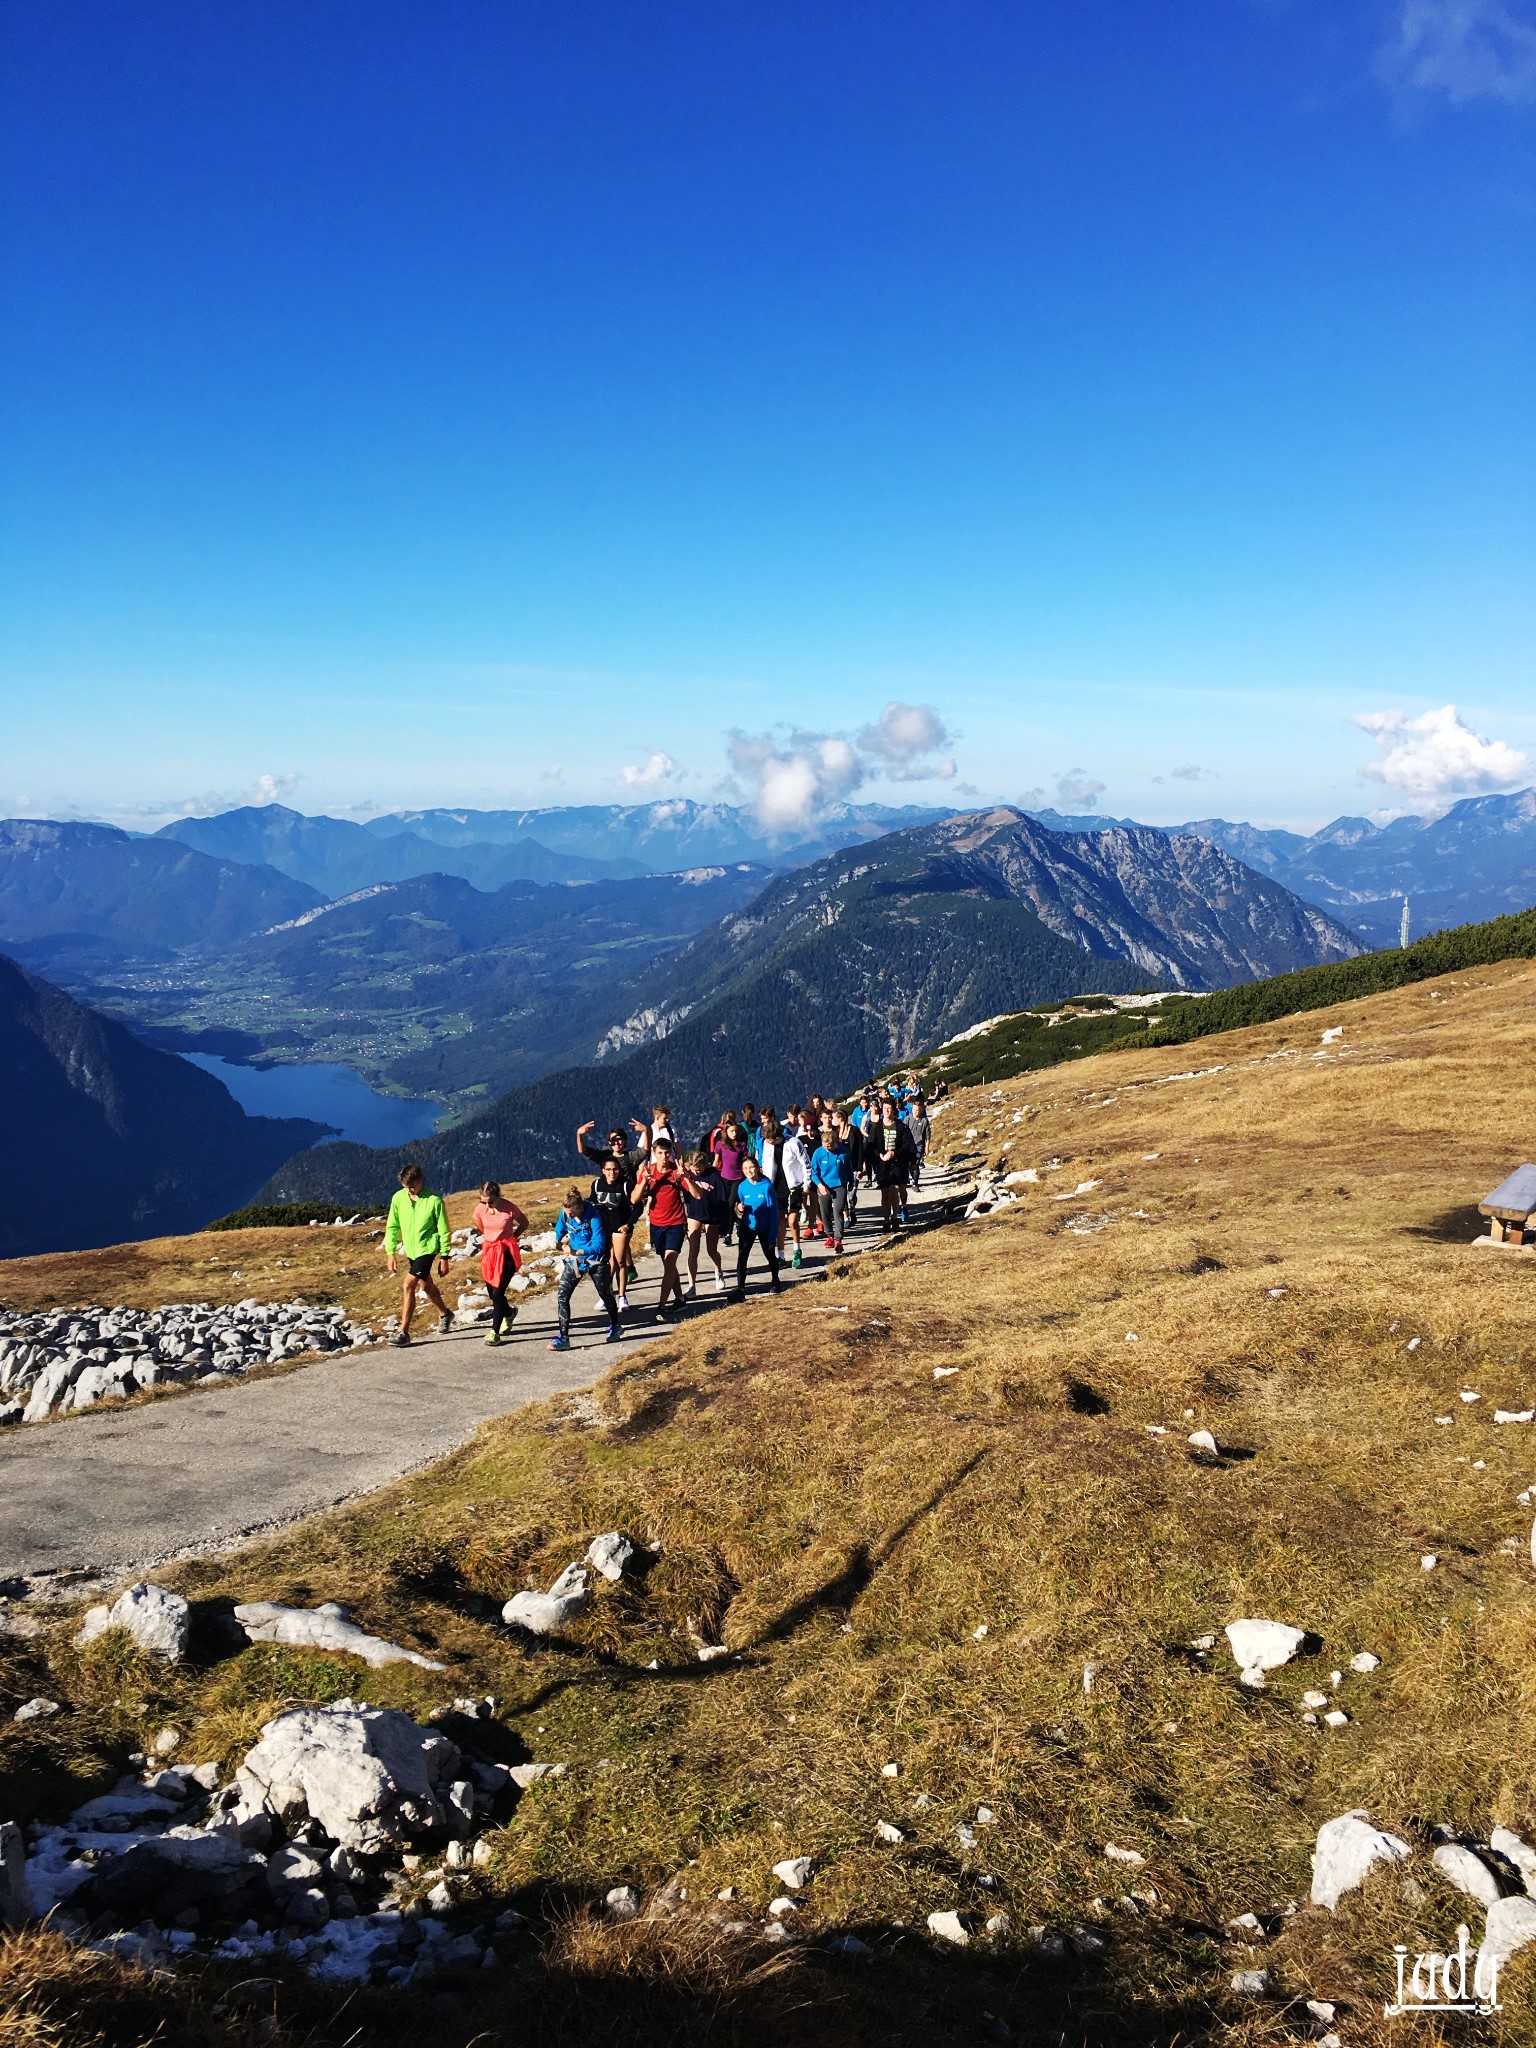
pixel 660 1189
pixel 500 1224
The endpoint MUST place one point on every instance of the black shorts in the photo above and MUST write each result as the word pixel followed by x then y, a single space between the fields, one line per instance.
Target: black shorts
pixel 421 1269
pixel 667 1237
pixel 799 1199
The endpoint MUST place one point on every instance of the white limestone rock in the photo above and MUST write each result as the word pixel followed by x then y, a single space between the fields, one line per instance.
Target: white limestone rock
pixel 524 1775
pixel 326 1627
pixel 37 1710
pixel 1261 1646
pixel 1465 1869
pixel 1510 1927
pixel 369 1776
pixel 951 1927
pixel 545 1614
pixel 1348 1848
pixel 623 1902
pixel 1520 1853
pixel 611 1555
pixel 158 1621
pixel 794 1873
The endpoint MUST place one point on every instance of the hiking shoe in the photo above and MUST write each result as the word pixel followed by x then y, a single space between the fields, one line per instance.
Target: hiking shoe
pixel 400 1340
pixel 559 1343
pixel 615 1334
pixel 775 1285
pixel 795 1261
pixel 719 1282
pixel 738 1294
pixel 623 1303
pixel 444 1325
pixel 838 1248
pixel 493 1337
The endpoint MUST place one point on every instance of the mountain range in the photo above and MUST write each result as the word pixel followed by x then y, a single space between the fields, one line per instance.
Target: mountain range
pixel 868 955
pixel 107 1139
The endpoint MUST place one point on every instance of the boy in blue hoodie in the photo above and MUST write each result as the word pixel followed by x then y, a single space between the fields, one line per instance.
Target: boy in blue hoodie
pixel 581 1234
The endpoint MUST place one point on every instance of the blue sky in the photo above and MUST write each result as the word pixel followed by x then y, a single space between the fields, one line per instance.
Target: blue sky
pixel 469 403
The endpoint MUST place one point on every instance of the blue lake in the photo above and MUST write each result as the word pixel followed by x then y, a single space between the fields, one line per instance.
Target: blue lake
pixel 329 1094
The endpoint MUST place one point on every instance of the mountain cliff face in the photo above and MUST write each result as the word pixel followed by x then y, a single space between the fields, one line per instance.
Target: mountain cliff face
pixel 859 960
pixel 106 1140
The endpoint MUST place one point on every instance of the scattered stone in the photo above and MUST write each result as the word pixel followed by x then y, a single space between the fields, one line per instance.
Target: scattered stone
pixel 888 1832
pixel 794 1873
pixel 482 1855
pixel 1363 1661
pixel 167 1741
pixel 780 1908
pixel 158 1621
pixel 1348 1848
pixel 1514 1414
pixel 848 1945
pixel 1252 1983
pixel 1314 1699
pixel 524 1775
pixel 1336 1719
pixel 440 1898
pixel 1116 1854
pixel 890 1770
pixel 1465 1869
pixel 1051 1948
pixel 545 1614
pixel 622 1903
pixel 1202 1440
pixel 611 1555
pixel 951 1927
pixel 323 1628
pixel 1429 1560
pixel 999 1923
pixel 37 1710
pixel 965 1835
pixel 1246 1927
pixel 1085 1943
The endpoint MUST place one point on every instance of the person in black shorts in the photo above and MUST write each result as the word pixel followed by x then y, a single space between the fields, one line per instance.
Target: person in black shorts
pixel 620 1260
pixel 707 1210
pixel 616 1206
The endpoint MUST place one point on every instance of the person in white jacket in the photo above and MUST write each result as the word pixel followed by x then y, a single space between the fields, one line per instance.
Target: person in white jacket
pixel 795 1164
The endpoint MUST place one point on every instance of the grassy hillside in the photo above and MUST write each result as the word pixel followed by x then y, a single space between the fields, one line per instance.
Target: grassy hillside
pixel 943 1513
pixel 1024 1041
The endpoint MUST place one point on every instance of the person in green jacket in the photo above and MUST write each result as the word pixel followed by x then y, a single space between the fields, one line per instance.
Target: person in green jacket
pixel 418 1225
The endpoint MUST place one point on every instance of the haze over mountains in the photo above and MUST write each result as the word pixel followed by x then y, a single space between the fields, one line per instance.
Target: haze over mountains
pixel 868 955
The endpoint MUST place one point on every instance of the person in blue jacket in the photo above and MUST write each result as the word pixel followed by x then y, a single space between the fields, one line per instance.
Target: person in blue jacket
pixel 757 1211
pixel 581 1233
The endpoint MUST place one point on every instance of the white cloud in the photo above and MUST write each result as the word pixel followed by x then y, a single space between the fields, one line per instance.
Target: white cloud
pixel 1438 754
pixel 271 789
pixel 902 733
pixel 790 784
pixel 1465 49
pixel 1191 773
pixel 658 769
pixel 791 780
pixel 1078 789
pixel 554 774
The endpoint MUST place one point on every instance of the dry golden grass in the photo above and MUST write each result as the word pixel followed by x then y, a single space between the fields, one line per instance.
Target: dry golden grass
pixel 850 1525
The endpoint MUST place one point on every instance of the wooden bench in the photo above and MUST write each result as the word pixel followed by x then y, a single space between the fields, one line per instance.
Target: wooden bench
pixel 1510 1207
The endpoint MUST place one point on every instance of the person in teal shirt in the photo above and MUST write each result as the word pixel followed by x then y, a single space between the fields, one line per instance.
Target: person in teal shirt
pixel 757 1210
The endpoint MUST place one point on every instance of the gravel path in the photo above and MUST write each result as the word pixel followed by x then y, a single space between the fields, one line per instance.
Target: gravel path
pixel 117 1490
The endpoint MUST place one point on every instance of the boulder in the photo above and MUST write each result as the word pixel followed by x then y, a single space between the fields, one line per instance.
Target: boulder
pixel 323 1628
pixel 611 1555
pixel 15 1905
pixel 369 1776
pixel 1348 1849
pixel 162 1876
pixel 158 1621
pixel 545 1614
pixel 1468 1872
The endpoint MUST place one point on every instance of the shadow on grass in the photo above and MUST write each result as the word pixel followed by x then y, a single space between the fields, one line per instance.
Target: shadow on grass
pixel 1451 1226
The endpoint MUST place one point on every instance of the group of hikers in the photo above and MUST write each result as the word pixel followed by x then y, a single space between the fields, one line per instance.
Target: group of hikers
pixel 755 1179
